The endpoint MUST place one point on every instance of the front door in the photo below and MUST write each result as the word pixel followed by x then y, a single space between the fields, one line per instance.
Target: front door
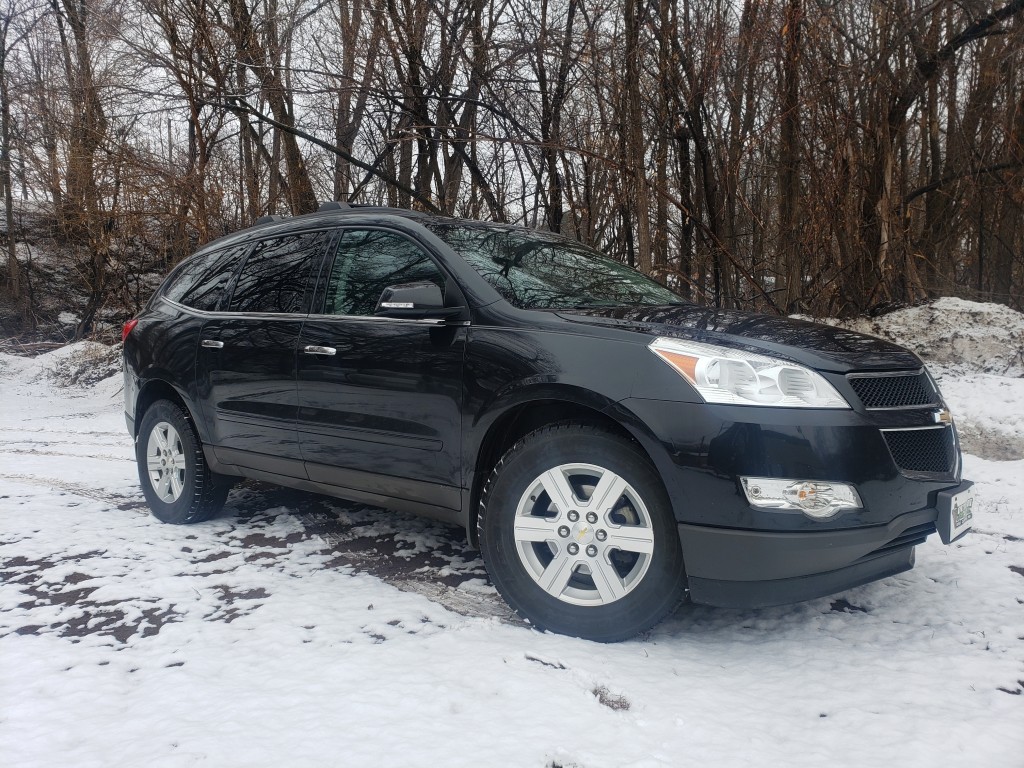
pixel 380 399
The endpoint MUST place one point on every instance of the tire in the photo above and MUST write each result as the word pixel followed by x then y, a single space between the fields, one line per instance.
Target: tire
pixel 603 574
pixel 176 480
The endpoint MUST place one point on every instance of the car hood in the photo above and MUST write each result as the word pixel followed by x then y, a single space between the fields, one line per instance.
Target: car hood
pixel 820 346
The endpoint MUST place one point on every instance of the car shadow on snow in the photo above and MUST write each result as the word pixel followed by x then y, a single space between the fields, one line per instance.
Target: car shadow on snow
pixel 412 553
pixel 436 560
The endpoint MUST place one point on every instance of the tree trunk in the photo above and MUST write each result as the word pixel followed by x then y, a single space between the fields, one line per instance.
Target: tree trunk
pixel 636 170
pixel 267 69
pixel 789 159
pixel 13 268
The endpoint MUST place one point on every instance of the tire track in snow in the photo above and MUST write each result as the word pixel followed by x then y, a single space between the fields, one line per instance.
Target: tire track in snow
pixel 117 501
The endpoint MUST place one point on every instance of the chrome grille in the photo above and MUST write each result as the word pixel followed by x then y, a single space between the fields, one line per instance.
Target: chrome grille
pixel 902 390
pixel 930 450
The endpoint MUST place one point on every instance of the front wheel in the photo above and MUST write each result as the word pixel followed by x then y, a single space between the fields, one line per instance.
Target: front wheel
pixel 176 480
pixel 578 535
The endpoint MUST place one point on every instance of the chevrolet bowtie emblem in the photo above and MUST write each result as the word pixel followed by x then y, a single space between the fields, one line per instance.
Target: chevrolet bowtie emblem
pixel 943 417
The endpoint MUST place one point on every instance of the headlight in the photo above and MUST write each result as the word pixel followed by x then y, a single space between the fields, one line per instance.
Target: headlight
pixel 723 375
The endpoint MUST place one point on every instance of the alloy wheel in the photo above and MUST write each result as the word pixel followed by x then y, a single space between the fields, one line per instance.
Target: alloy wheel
pixel 584 534
pixel 165 462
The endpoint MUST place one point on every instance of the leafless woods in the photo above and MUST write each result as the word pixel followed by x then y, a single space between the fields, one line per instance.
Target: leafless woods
pixel 829 156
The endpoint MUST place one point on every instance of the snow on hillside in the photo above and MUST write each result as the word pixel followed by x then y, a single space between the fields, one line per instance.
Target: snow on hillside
pixel 297 630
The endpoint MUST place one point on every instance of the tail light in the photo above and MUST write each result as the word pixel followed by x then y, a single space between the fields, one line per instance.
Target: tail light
pixel 127 327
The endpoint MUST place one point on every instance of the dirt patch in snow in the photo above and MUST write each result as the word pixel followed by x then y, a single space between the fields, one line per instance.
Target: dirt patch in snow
pixel 413 554
pixel 71 610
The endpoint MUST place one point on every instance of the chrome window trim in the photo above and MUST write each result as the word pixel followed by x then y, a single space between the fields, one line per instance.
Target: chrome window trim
pixel 229 315
pixel 224 315
pixel 375 319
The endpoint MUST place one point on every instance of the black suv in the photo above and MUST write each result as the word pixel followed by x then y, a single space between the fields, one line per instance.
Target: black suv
pixel 610 447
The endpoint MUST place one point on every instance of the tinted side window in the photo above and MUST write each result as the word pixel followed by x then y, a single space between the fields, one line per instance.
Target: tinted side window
pixel 276 274
pixel 201 282
pixel 367 262
pixel 538 270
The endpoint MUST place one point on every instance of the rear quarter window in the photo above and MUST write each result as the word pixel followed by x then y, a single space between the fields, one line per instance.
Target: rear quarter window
pixel 200 283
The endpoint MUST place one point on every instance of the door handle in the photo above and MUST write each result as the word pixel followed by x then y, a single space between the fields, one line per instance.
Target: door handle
pixel 211 344
pixel 315 350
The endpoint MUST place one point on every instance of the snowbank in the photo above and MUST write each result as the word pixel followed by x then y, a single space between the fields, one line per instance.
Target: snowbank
pixel 964 336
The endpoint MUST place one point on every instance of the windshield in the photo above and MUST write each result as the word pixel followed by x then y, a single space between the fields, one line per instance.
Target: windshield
pixel 539 270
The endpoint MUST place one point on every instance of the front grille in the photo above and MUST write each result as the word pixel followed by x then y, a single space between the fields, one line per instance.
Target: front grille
pixel 910 390
pixel 922 450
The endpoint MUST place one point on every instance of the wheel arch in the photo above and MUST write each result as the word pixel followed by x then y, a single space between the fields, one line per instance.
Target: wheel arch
pixel 508 425
pixel 159 389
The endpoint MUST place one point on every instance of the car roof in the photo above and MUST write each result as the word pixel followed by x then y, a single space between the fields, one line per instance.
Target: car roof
pixel 332 213
pixel 328 214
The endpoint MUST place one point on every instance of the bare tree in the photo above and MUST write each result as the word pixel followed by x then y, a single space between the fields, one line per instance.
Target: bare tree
pixel 16 22
pixel 783 155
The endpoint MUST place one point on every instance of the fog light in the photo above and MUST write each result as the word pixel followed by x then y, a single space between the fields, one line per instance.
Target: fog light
pixel 817 499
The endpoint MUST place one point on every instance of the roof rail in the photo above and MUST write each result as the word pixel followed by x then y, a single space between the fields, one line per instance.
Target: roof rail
pixel 333 205
pixel 338 206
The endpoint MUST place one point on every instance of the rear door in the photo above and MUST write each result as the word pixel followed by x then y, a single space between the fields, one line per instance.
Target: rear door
pixel 170 334
pixel 247 355
pixel 380 399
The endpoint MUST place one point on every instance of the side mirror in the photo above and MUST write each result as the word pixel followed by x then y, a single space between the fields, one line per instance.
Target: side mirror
pixel 414 301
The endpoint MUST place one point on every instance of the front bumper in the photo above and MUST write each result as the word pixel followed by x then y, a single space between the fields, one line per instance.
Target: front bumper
pixel 745 569
pixel 738 555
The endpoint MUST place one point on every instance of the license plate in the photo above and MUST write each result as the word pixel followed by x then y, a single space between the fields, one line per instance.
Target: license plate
pixel 956 511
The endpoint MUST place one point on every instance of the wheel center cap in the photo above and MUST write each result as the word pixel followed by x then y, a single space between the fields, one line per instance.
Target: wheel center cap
pixel 582 533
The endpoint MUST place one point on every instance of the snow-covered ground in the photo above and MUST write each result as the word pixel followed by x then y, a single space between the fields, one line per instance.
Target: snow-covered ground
pixel 295 630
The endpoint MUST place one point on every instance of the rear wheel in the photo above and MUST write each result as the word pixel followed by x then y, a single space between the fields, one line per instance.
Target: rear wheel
pixel 176 480
pixel 578 535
